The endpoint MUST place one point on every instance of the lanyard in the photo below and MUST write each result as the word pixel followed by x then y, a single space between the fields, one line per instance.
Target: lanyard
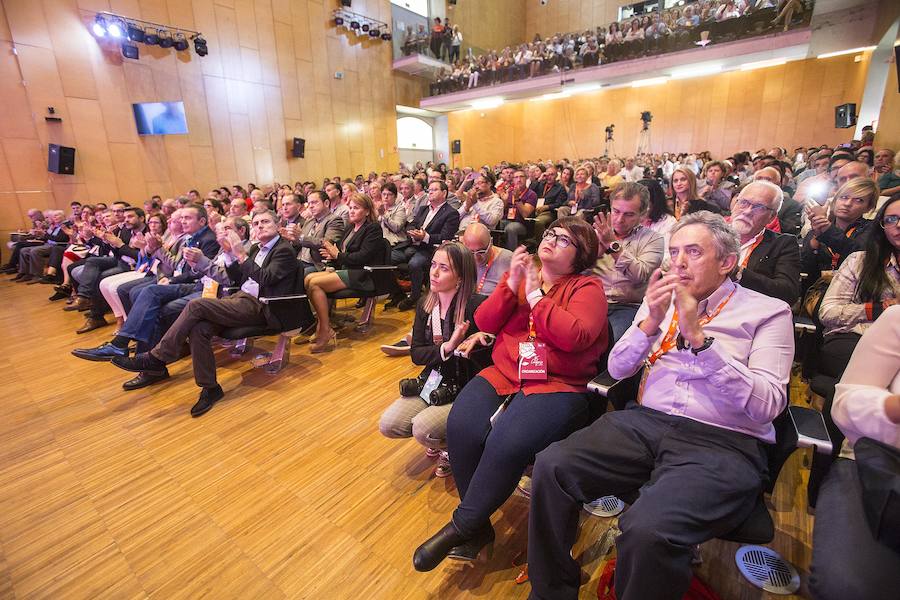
pixel 752 248
pixel 484 275
pixel 836 257
pixel 669 340
pixel 437 333
pixel 532 334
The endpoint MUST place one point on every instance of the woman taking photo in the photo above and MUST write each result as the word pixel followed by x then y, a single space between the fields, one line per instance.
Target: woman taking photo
pixel 683 191
pixel 550 323
pixel 362 244
pixel 715 189
pixel 442 322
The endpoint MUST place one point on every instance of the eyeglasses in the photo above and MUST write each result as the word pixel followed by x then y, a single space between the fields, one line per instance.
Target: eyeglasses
pixel 889 220
pixel 744 204
pixel 560 240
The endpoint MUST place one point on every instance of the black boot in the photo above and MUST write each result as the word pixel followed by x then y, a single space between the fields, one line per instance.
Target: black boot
pixel 435 549
pixel 470 550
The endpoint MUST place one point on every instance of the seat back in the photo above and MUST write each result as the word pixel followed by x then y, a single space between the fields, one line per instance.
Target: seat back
pixel 293 314
pixel 384 278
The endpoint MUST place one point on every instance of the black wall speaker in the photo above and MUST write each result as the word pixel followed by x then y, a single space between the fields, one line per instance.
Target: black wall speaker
pixel 61 159
pixel 345 2
pixel 299 148
pixel 844 116
pixel 456 147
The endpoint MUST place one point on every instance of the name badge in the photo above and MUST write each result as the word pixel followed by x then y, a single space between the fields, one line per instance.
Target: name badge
pixel 532 361
pixel 511 213
pixel 541 202
pixel 210 288
pixel 431 384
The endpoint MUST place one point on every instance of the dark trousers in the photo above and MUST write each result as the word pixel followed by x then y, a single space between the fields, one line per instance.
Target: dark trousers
pixel 95 269
pixel 143 316
pixel 696 482
pixel 836 351
pixel 847 561
pixel 56 256
pixel 201 320
pixel 488 461
pixel 17 251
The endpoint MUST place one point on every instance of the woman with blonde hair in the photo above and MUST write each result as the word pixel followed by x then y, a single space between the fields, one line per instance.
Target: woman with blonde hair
pixel 683 192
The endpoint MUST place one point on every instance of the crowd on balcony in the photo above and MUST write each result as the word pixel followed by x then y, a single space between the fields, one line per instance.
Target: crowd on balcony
pixel 678 28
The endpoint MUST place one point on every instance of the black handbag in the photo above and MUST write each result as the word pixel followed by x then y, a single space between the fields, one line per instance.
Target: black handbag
pixel 878 465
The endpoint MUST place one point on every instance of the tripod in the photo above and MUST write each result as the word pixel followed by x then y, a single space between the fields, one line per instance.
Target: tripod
pixel 610 148
pixel 643 146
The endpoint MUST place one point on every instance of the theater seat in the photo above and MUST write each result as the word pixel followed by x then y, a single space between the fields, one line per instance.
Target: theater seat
pixel 383 276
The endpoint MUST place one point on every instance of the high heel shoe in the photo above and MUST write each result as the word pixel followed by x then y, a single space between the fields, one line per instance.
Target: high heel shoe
pixel 327 346
pixel 470 549
pixel 435 549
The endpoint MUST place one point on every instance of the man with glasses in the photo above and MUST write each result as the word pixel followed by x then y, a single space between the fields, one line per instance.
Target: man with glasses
pixel 769 262
pixel 629 253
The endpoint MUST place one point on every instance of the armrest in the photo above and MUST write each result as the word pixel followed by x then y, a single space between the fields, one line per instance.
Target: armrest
pixel 282 298
pixel 603 384
pixel 809 425
pixel 804 325
pixel 379 268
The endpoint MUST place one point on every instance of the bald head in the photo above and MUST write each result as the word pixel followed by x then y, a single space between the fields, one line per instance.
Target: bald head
pixel 477 238
pixel 769 174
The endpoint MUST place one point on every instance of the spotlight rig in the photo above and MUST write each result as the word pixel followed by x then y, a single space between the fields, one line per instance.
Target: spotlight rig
pixel 126 30
pixel 362 25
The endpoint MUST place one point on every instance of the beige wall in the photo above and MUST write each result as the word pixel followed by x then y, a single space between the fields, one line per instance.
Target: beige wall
pixel 490 25
pixel 268 77
pixel 789 105
pixel 564 16
pixel 888 133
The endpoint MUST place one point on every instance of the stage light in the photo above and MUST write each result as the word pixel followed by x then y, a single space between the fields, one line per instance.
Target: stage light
pixel 116 28
pixel 365 27
pixel 374 33
pixel 165 39
pixel 200 46
pixel 181 44
pixel 99 26
pixel 338 21
pixel 354 25
pixel 135 33
pixel 130 51
pixel 151 37
pixel 386 36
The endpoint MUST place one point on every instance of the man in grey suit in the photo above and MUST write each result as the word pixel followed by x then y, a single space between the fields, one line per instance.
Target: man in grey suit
pixel 322 225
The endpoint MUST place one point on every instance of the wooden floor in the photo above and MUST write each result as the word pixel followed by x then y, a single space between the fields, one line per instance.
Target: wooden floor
pixel 285 489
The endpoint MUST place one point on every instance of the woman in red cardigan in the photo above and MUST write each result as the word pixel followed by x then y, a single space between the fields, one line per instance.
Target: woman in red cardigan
pixel 550 328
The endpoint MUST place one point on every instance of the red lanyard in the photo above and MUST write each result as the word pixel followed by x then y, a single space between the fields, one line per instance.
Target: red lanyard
pixel 836 257
pixel 669 340
pixel 484 276
pixel 532 334
pixel 752 248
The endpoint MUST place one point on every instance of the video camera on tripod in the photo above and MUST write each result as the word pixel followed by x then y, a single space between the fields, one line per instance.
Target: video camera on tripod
pixel 646 117
pixel 609 132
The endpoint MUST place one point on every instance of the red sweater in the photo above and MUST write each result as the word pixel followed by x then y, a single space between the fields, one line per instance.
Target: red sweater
pixel 570 319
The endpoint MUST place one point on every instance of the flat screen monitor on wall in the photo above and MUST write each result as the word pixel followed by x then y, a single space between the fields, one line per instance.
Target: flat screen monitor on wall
pixel 160 118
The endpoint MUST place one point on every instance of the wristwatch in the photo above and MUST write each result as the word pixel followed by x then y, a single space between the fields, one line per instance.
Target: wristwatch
pixel 707 342
pixel 614 247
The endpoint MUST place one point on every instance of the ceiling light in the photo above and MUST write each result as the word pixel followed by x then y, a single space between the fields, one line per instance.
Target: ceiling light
pixel 374 33
pixel 116 28
pixel 484 103
pixel 181 44
pixel 696 71
pixel 354 24
pixel 842 52
pixel 762 64
pixel 338 21
pixel 386 36
pixel 165 40
pixel 135 32
pixel 99 26
pixel 365 27
pixel 151 37
pixel 200 45
pixel 648 82
pixel 552 96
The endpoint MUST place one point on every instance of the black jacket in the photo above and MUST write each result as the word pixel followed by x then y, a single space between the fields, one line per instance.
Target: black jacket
pixel 206 242
pixel 813 262
pixel 789 216
pixel 442 227
pixel 774 267
pixel 276 277
pixel 366 247
pixel 424 351
pixel 555 197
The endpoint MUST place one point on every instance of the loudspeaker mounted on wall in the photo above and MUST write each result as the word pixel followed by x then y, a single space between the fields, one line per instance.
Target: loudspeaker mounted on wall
pixel 845 116
pixel 345 2
pixel 61 160
pixel 456 147
pixel 299 147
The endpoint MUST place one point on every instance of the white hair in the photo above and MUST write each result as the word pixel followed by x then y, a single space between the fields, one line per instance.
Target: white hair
pixel 777 193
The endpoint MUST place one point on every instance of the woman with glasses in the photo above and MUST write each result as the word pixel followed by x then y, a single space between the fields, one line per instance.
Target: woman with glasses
pixel 550 326
pixel 866 284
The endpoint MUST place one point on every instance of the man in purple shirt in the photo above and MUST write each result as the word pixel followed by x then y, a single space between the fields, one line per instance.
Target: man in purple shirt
pixel 693 447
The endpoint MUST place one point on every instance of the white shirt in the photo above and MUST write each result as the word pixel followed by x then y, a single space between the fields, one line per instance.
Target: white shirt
pixel 747 247
pixel 432 211
pixel 635 173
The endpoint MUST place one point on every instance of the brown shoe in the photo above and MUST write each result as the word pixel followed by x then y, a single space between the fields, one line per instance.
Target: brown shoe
pixel 81 304
pixel 91 324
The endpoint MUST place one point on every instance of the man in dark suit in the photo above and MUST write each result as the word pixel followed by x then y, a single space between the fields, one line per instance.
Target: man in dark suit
pixel 269 268
pixel 551 195
pixel 434 224
pixel 769 262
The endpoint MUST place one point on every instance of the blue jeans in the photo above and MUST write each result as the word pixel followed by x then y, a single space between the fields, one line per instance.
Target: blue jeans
pixel 620 317
pixel 144 313
pixel 95 269
pixel 128 291
pixel 488 460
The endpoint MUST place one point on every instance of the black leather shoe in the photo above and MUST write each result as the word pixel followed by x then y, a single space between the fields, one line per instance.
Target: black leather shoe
pixel 140 363
pixel 470 550
pixel 435 549
pixel 144 379
pixel 393 301
pixel 208 397
pixel 102 353
pixel 406 304
pixel 58 296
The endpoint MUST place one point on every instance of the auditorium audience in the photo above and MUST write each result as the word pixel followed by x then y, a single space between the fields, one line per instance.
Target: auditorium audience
pixel 629 253
pixel 442 322
pixel 322 225
pixel 391 215
pixel 362 244
pixel 33 258
pixel 519 204
pixel 864 285
pixel 481 205
pixel 715 189
pixel 659 216
pixel 717 378
pixel 585 195
pixel 848 560
pixel 550 327
pixel 683 191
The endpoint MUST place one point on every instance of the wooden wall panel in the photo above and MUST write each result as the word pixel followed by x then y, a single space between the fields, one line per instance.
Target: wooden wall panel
pixel 564 16
pixel 268 77
pixel 787 106
pixel 490 25
pixel 887 134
